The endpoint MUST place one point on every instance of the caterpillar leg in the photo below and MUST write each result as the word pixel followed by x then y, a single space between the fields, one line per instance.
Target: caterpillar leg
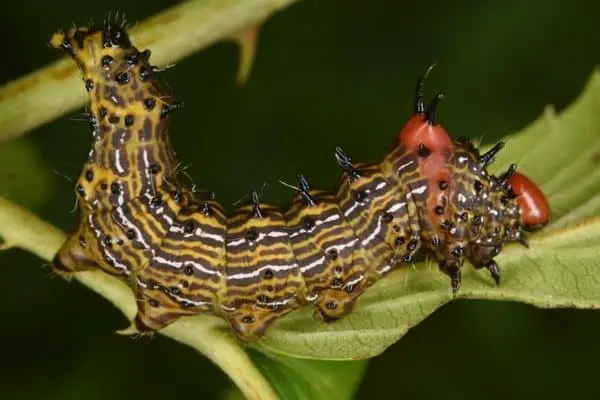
pixel 156 310
pixel 483 257
pixel 250 321
pixel 71 258
pixel 335 303
pixel 161 304
pixel 494 269
pixel 452 269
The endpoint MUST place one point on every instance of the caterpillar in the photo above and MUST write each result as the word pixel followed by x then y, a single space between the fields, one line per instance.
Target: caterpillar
pixel 182 254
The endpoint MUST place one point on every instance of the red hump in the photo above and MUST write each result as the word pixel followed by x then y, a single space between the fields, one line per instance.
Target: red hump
pixel 535 210
pixel 417 131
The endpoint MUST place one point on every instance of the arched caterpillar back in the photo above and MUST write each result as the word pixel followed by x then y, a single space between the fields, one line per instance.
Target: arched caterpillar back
pixel 182 255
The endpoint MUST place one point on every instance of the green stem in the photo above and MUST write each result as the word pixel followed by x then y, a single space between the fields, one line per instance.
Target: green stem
pixel 20 228
pixel 174 34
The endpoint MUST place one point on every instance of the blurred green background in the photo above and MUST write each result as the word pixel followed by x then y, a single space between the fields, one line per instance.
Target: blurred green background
pixel 326 73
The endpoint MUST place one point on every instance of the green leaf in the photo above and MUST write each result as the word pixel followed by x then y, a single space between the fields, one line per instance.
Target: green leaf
pixel 297 379
pixel 560 269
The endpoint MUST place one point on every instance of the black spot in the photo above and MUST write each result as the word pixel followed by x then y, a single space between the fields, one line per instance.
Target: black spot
pixel 82 241
pixel 247 319
pixel 308 223
pixel 446 225
pixel 435 241
pixel 400 241
pixel 153 303
pixel 129 119
pixel 108 241
pixel 268 274
pixel 337 270
pixel 114 119
pixel 478 186
pixel 331 305
pixel 263 298
pixel 188 270
pixel 89 175
pixel 332 254
pixel 360 196
pixel 156 201
pixel 145 73
pixel 132 58
pixel 412 244
pixel 122 78
pixel 387 217
pixel 115 188
pixel 106 61
pixel 458 251
pixel 89 85
pixel 477 220
pixel 205 208
pixel 251 235
pixel 103 186
pixel 188 227
pixel 176 195
pixel 407 259
pixel 149 103
pixel 185 284
pixel 80 189
pixel 443 185
pixel 270 288
pixel 423 151
pixel 175 290
pixel 439 210
pixel 349 288
pixel 498 229
pixel 103 112
pixel 337 282
pixel 130 234
pixel 65 45
pixel 154 169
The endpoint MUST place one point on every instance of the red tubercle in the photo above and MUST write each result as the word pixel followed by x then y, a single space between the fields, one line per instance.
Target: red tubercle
pixel 419 132
pixel 535 209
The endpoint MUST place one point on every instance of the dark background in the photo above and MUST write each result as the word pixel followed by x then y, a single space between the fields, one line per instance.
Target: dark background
pixel 326 73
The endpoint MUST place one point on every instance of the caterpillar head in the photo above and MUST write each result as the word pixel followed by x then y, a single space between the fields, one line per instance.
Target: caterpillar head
pixel 118 77
pixel 535 210
pixel 90 47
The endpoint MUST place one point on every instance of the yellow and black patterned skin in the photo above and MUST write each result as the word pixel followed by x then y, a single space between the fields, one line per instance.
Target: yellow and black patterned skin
pixel 183 256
